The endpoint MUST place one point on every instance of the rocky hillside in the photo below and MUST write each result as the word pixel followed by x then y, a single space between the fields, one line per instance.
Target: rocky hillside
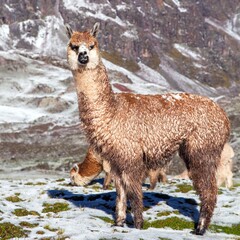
pixel 148 47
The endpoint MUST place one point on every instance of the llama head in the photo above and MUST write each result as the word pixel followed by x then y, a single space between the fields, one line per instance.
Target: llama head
pixel 82 50
pixel 77 179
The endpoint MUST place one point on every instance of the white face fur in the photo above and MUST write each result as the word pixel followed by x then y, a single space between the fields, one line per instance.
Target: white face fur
pixel 83 49
pixel 93 56
pixel 78 180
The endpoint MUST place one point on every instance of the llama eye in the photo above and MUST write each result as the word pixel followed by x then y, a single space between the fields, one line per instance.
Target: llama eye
pixel 74 47
pixel 91 47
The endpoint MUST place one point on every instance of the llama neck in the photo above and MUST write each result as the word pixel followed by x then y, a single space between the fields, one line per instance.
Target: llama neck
pixel 95 95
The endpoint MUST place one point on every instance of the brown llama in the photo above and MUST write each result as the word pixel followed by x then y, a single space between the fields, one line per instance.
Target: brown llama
pixel 134 132
pixel 224 170
pixel 83 173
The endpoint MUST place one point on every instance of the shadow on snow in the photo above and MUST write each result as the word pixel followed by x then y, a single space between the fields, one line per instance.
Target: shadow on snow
pixel 105 201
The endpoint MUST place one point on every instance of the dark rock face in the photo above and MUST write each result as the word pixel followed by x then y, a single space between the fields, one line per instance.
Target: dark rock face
pixel 145 31
pixel 199 40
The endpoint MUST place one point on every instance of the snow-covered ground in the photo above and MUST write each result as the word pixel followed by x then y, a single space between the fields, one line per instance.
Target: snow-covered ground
pixel 89 211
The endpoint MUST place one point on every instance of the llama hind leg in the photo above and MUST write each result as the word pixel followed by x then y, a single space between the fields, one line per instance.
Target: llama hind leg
pixel 203 175
pixel 135 196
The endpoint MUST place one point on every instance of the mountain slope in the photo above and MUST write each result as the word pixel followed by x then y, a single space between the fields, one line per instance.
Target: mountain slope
pixel 148 47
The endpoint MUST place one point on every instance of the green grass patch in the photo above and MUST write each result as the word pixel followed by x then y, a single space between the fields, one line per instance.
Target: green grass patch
pixel 234 229
pixel 55 208
pixel 220 191
pixel 47 227
pixel 14 199
pixel 95 187
pixel 60 180
pixel 184 188
pixel 167 213
pixel 40 232
pixel 105 219
pixel 35 184
pixel 114 238
pixel 179 224
pixel 171 222
pixel 20 212
pixel 9 230
pixel 28 225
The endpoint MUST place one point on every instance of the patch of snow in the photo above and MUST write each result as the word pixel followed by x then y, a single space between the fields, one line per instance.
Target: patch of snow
pixel 187 52
pixel 9 8
pixel 96 10
pixel 4 37
pixel 167 5
pixel 16 96
pixel 156 36
pixel 235 26
pixel 138 85
pixel 105 18
pixel 52 32
pixel 183 83
pixel 121 7
pixel 150 75
pixel 140 10
pixel 177 3
pixel 16 114
pixel 86 204
pixel 132 34
pixel 226 29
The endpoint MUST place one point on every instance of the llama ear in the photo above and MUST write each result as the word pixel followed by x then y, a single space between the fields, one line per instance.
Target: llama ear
pixel 75 167
pixel 69 30
pixel 94 31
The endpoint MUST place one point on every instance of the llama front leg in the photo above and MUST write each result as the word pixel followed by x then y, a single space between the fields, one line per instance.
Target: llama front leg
pixel 121 203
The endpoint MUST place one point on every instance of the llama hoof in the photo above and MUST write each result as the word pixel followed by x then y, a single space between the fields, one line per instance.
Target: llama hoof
pixel 138 225
pixel 105 187
pixel 118 224
pixel 199 231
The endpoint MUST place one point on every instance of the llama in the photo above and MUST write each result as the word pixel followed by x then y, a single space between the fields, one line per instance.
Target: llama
pixel 135 132
pixel 224 170
pixel 83 173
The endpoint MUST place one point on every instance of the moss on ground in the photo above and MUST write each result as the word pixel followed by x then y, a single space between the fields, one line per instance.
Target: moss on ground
pixel 95 187
pixel 171 222
pixel 14 199
pixel 55 208
pixel 9 231
pixel 177 223
pixel 184 188
pixel 167 213
pixel 234 229
pixel 24 212
pixel 60 180
pixel 35 184
pixel 28 225
pixel 105 219
pixel 48 227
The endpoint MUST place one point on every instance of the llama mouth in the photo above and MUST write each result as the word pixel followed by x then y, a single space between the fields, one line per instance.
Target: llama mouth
pixel 83 60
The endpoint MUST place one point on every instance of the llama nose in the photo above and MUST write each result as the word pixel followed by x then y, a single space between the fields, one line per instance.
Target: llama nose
pixel 83 58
